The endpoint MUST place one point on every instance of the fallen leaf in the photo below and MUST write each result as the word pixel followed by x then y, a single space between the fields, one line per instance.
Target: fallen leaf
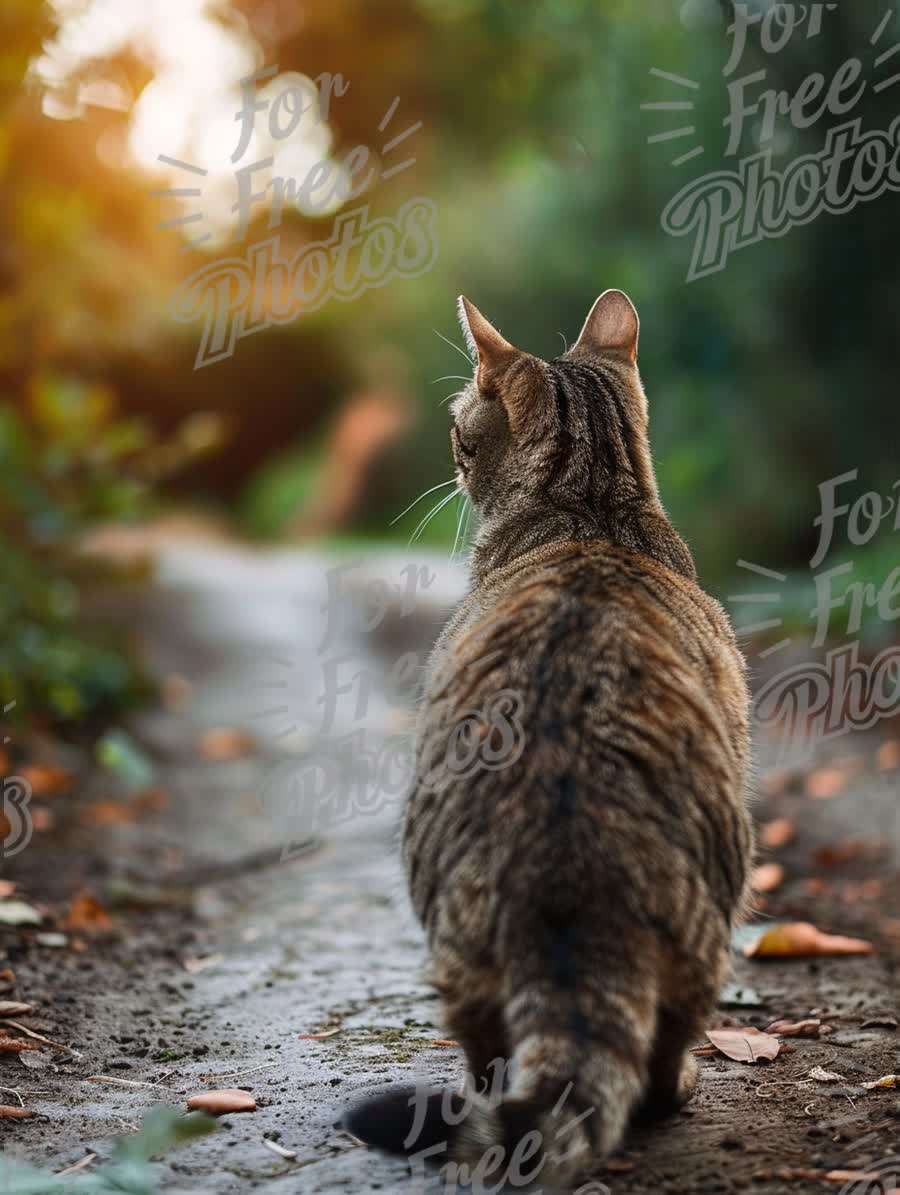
pixel 888 756
pixel 885 1081
pixel 767 877
pixel 54 940
pixel 223 1103
pixel 788 1174
pixel 851 1176
pixel 809 1028
pixel 42 820
pixel 815 886
pixel 744 1044
pixel 194 966
pixel 800 939
pixel 288 1154
pixel 618 1165
pixel 46 780
pixel 318 1036
pixel 837 853
pixel 119 753
pixel 13 1008
pixel 880 1023
pixel 120 813
pixel 441 1041
pixel 86 912
pixel 778 832
pixel 224 742
pixel 14 1045
pixel 823 1076
pixel 826 783
pixel 12 1113
pixel 16 912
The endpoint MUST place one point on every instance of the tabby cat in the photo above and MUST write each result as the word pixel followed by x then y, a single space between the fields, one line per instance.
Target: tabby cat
pixel 579 901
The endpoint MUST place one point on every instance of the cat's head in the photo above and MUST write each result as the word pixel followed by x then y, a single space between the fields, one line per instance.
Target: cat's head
pixel 571 432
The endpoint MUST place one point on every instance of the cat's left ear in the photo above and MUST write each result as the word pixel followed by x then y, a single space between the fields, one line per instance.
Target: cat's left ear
pixel 611 327
pixel 494 353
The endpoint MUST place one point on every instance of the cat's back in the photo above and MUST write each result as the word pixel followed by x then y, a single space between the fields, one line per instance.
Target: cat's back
pixel 630 761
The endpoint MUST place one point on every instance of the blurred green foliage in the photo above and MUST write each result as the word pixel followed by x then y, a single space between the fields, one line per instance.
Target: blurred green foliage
pixel 68 461
pixel 130 1170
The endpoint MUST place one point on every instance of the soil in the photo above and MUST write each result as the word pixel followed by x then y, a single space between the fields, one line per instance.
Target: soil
pixel 322 943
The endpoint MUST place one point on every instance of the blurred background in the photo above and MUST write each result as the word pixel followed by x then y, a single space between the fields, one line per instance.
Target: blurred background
pixel 523 126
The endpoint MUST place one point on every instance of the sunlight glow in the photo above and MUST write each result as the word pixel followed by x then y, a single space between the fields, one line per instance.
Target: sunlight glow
pixel 198 51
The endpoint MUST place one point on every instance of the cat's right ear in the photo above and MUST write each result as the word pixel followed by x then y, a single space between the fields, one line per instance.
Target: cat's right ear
pixel 612 326
pixel 493 352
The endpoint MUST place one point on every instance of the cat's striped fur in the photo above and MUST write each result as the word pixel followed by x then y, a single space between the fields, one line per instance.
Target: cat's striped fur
pixel 578 903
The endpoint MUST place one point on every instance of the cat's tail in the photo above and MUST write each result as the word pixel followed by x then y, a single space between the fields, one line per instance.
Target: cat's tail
pixel 577 1072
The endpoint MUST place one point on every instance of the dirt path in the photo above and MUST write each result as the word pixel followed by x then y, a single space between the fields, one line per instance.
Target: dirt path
pixel 322 943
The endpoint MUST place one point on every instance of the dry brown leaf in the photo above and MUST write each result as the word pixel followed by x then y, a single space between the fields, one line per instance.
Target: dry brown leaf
pixel 767 877
pixel 444 1041
pixel 788 1174
pixel 823 1076
pixel 851 1176
pixel 12 1113
pixel 887 758
pixel 42 820
pixel 800 939
pixel 119 813
pixel 815 886
pixel 14 1045
pixel 778 832
pixel 46 780
pixel 745 1044
pixel 224 742
pixel 618 1165
pixel 809 1028
pixel 837 853
pixel 223 1103
pixel 826 783
pixel 14 1008
pixel 884 1081
pixel 86 912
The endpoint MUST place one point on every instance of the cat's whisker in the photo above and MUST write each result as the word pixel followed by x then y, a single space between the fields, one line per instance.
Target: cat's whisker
pixel 451 377
pixel 455 394
pixel 431 514
pixel 439 486
pixel 461 352
pixel 459 522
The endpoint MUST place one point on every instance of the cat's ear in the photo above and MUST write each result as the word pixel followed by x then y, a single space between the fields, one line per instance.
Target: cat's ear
pixel 611 327
pixel 494 353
